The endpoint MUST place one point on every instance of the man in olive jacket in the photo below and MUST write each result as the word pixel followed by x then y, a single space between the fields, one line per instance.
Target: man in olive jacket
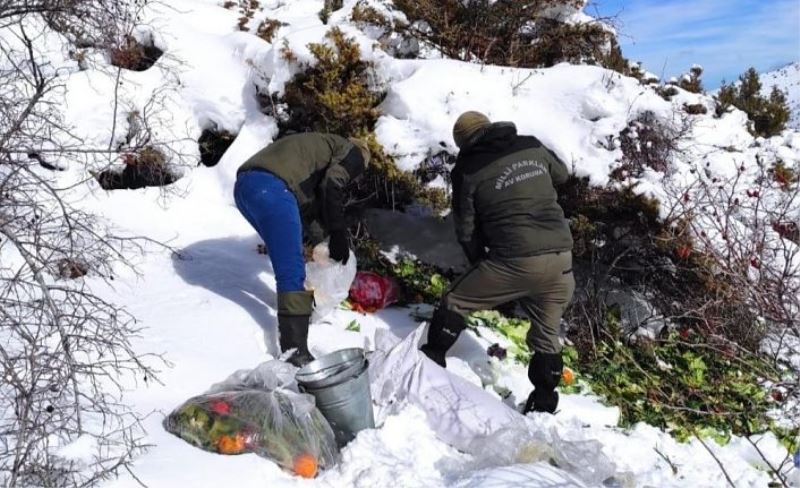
pixel 515 236
pixel 293 191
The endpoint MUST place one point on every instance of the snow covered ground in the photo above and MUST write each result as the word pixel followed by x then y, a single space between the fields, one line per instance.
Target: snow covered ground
pixel 209 307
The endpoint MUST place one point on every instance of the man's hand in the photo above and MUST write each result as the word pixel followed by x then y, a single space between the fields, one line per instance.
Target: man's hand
pixel 339 247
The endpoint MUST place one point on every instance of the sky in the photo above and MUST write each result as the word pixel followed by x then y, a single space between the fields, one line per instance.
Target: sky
pixel 724 36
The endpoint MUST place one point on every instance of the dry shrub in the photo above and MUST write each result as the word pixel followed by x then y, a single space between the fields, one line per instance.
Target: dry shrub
pixel 516 34
pixel 133 55
pixel 705 270
pixel 213 143
pixel 783 175
pixel 394 37
pixel 788 230
pixel 268 28
pixel 366 14
pixel 68 355
pixel 621 238
pixel 328 8
pixel 247 9
pixel 747 288
pixel 385 186
pixel 613 59
pixel 72 269
pixel 691 81
pixel 555 42
pixel 605 220
pixel 667 91
pixel 647 142
pixel 695 108
pixel 146 167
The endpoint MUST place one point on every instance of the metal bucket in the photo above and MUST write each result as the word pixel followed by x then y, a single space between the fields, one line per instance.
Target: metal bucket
pixel 340 384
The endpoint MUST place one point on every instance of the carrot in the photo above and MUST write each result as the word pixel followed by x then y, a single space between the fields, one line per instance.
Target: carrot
pixel 305 465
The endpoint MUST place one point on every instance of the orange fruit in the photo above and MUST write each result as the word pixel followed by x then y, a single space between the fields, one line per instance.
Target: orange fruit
pixel 305 465
pixel 228 444
pixel 567 376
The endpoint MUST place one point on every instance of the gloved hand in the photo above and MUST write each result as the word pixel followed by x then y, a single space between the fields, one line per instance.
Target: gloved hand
pixel 339 247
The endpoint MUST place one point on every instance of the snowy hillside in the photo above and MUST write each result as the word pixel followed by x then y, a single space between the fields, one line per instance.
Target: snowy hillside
pixel 207 304
pixel 786 79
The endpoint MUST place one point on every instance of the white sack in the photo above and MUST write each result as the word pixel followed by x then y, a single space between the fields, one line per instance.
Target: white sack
pixel 456 410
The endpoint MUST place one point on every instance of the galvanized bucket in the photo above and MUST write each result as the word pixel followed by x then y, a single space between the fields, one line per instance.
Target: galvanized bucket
pixel 340 384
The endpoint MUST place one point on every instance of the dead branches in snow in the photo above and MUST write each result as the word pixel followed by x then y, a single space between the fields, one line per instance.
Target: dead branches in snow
pixel 66 354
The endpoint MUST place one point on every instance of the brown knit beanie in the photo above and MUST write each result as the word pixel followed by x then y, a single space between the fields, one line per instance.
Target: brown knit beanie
pixel 468 125
pixel 363 147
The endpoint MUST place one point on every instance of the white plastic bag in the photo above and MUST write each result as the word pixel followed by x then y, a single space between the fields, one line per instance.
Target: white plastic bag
pixel 585 459
pixel 536 475
pixel 269 375
pixel 520 444
pixel 329 279
pixel 473 421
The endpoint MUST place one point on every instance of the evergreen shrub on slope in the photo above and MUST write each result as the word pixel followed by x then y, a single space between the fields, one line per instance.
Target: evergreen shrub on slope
pixel 337 94
pixel 768 115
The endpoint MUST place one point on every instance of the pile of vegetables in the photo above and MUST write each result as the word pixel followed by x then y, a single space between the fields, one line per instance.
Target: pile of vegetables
pixel 271 424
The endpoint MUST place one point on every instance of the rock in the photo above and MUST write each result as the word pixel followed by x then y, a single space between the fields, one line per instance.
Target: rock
pixel 430 239
pixel 212 144
pixel 637 314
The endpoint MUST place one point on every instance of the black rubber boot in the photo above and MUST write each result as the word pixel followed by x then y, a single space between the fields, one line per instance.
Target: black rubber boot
pixel 443 332
pixel 545 374
pixel 294 335
pixel 294 314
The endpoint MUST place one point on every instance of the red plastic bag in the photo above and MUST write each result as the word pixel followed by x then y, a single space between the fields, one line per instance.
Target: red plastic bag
pixel 371 291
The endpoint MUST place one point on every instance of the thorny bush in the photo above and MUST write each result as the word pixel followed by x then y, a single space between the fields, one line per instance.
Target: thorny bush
pixel 648 142
pixel 718 259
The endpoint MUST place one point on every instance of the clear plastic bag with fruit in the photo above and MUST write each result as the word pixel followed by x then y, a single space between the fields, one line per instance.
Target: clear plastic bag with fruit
pixel 256 412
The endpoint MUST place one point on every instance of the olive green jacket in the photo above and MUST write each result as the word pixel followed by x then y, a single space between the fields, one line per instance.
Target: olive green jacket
pixel 316 167
pixel 504 199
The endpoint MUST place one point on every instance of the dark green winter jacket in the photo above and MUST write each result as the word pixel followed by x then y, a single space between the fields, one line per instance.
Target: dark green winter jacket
pixel 503 196
pixel 316 167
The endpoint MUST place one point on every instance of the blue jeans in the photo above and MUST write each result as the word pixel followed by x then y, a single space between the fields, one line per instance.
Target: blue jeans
pixel 271 208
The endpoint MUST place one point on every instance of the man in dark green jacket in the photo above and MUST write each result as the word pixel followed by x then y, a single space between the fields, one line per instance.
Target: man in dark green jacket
pixel 294 191
pixel 515 236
